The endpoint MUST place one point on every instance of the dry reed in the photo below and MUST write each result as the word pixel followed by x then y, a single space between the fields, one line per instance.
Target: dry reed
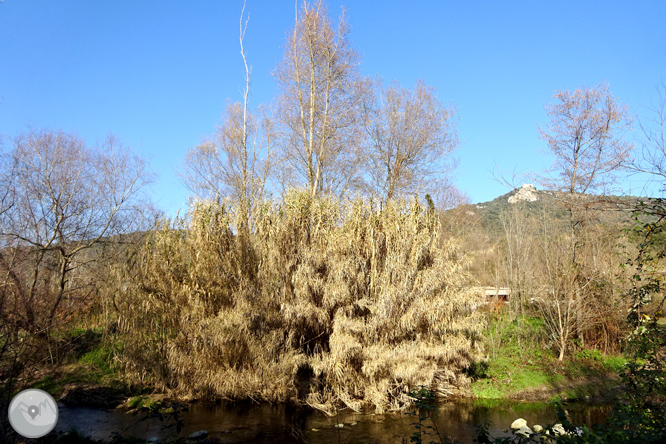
pixel 334 304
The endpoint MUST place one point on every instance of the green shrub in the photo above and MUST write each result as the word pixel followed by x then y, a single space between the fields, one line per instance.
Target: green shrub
pixel 593 355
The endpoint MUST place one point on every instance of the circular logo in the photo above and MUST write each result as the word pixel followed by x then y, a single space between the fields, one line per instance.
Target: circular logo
pixel 33 413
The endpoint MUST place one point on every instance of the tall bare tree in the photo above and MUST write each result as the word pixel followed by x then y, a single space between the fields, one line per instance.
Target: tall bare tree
pixel 585 135
pixel 558 297
pixel 412 137
pixel 235 161
pixel 62 199
pixel 519 253
pixel 650 161
pixel 319 104
pixel 652 157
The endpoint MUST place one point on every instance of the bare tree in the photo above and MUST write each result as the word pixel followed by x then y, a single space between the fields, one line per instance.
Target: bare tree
pixel 585 134
pixel 235 161
pixel 582 302
pixel 412 137
pixel 519 253
pixel 652 158
pixel 63 199
pixel 558 298
pixel 319 104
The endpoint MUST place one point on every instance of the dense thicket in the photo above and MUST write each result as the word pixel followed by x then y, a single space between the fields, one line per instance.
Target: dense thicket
pixel 527 247
pixel 331 303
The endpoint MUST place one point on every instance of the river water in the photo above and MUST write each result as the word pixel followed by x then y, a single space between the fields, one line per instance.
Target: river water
pixel 284 424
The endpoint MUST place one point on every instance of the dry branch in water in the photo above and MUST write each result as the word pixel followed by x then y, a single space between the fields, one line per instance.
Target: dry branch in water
pixel 332 304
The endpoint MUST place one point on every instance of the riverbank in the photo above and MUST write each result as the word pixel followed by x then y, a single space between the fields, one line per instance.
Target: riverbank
pixel 519 365
pixel 586 376
pixel 582 378
pixel 516 367
pixel 90 380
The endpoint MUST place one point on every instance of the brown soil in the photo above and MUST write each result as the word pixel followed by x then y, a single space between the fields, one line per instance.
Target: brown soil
pixel 92 395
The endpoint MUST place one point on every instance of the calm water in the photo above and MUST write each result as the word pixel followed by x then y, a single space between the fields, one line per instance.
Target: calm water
pixel 280 423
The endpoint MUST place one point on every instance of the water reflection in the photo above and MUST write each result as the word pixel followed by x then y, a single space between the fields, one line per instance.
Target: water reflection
pixel 282 423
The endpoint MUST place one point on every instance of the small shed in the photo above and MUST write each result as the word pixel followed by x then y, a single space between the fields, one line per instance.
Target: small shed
pixel 497 294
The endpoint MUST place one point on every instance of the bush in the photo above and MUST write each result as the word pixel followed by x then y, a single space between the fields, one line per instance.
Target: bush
pixel 330 303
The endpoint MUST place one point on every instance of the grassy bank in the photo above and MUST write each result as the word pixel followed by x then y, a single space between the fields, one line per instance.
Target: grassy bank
pixel 520 365
pixel 84 371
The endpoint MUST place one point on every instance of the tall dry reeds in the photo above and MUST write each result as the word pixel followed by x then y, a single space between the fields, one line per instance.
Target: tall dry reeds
pixel 334 304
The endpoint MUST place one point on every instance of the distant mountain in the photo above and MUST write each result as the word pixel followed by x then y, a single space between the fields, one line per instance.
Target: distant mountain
pixel 544 203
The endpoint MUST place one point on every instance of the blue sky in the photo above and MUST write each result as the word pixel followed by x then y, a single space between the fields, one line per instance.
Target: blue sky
pixel 158 74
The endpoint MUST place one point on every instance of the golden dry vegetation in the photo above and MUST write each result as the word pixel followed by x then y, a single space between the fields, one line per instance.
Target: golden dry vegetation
pixel 332 303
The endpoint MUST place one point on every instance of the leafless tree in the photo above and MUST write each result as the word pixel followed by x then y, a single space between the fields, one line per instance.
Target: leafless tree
pixel 63 199
pixel 412 135
pixel 319 104
pixel 518 244
pixel 236 160
pixel 652 157
pixel 582 302
pixel 585 135
pixel 558 298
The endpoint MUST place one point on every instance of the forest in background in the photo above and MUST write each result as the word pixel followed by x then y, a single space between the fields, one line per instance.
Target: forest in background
pixel 326 257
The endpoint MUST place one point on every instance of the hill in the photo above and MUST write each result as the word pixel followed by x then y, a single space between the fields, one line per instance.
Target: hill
pixel 553 204
pixel 493 232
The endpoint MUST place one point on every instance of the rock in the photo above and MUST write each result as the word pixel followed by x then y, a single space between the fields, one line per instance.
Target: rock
pixel 527 192
pixel 153 439
pixel 558 430
pixel 518 424
pixel 538 428
pixel 524 432
pixel 339 426
pixel 201 434
pixel 353 423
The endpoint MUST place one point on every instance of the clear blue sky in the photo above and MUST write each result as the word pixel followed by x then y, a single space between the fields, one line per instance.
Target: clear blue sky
pixel 158 73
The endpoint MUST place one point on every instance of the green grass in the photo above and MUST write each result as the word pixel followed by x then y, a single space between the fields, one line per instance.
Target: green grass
pixel 98 358
pixel 518 366
pixel 512 377
pixel 136 402
pixel 85 358
pixel 48 384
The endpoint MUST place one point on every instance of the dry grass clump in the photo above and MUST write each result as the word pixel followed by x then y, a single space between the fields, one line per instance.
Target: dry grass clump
pixel 333 304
